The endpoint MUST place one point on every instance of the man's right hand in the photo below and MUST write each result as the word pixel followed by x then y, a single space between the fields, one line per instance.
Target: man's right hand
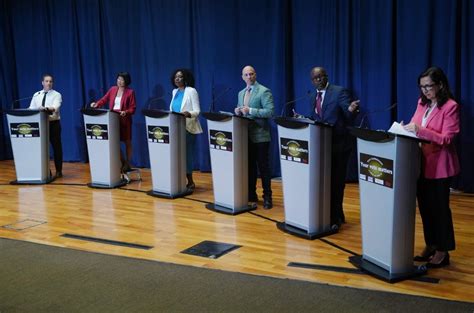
pixel 237 111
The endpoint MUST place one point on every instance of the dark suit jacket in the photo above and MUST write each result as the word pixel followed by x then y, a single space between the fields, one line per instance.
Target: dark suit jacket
pixel 335 112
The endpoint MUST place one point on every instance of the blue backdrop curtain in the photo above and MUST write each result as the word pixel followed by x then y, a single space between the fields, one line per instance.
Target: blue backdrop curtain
pixel 375 48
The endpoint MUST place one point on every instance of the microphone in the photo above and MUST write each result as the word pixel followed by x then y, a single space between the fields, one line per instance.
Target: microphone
pixel 283 109
pixel 214 99
pixel 25 98
pixel 376 111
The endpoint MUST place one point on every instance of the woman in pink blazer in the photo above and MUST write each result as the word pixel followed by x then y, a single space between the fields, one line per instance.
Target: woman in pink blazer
pixel 437 120
pixel 121 99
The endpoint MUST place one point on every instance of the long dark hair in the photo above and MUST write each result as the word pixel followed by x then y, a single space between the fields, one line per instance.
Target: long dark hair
pixel 188 77
pixel 439 78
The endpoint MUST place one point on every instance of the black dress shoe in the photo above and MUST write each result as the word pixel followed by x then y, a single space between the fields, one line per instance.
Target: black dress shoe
pixel 59 174
pixel 191 186
pixel 336 226
pixel 253 198
pixel 443 262
pixel 425 256
pixel 267 204
pixel 337 221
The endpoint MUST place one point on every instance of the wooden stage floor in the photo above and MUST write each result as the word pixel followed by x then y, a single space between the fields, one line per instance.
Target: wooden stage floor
pixel 43 213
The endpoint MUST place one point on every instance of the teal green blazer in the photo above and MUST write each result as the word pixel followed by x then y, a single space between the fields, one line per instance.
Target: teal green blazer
pixel 261 106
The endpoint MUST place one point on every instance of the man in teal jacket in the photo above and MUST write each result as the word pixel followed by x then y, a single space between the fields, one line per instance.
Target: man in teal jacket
pixel 256 101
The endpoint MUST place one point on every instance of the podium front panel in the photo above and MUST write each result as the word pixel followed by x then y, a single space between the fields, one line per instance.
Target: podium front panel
pixel 305 167
pixel 388 172
pixel 103 146
pixel 29 136
pixel 166 137
pixel 228 142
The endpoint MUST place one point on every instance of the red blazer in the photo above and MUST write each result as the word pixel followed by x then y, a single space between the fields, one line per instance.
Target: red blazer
pixel 128 102
pixel 440 159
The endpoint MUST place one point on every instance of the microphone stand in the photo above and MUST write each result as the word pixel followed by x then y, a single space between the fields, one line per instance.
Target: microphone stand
pixel 154 100
pixel 214 99
pixel 283 109
pixel 376 111
pixel 25 98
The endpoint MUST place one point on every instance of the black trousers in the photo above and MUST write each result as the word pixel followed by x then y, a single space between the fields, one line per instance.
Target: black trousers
pixel 433 203
pixel 259 160
pixel 55 140
pixel 339 160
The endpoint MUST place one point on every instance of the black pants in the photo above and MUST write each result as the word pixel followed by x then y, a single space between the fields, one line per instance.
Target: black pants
pixel 339 159
pixel 55 140
pixel 259 159
pixel 433 203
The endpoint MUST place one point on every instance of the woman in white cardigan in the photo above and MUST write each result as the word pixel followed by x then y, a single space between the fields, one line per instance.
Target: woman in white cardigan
pixel 186 100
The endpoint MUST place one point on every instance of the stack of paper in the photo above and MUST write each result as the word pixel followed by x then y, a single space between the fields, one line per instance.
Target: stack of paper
pixel 398 129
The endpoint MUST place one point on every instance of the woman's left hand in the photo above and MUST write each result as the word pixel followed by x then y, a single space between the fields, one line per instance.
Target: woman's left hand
pixel 186 114
pixel 412 127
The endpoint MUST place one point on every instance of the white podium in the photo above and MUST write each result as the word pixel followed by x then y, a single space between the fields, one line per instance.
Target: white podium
pixel 166 135
pixel 103 147
pixel 228 144
pixel 305 159
pixel 29 134
pixel 389 167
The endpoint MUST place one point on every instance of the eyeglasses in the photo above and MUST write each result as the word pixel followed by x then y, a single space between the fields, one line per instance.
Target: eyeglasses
pixel 427 87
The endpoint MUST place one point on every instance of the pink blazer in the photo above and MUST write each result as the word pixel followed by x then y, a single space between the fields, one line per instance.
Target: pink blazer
pixel 440 159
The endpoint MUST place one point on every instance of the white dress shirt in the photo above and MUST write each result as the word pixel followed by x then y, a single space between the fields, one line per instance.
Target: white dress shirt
pixel 53 100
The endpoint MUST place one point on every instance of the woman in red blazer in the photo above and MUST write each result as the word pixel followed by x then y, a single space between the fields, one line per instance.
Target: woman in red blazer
pixel 121 99
pixel 437 120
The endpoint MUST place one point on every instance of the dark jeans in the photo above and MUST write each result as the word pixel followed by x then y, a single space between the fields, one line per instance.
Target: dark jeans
pixel 433 203
pixel 259 160
pixel 55 140
pixel 190 144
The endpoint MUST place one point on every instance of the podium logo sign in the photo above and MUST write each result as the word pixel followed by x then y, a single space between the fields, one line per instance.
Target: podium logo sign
pixel 220 140
pixel 27 130
pixel 97 131
pixel 294 150
pixel 376 170
pixel 158 134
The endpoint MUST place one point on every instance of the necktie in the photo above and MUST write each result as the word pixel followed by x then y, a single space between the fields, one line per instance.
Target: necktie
pixel 44 99
pixel 319 100
pixel 247 97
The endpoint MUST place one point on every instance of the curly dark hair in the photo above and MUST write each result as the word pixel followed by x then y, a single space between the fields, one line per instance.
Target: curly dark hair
pixel 126 77
pixel 188 77
pixel 439 78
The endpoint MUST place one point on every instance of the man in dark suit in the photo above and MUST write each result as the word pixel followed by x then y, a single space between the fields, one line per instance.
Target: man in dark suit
pixel 256 101
pixel 331 104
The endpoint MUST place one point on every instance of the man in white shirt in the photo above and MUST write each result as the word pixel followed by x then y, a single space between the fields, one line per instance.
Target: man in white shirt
pixel 50 100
